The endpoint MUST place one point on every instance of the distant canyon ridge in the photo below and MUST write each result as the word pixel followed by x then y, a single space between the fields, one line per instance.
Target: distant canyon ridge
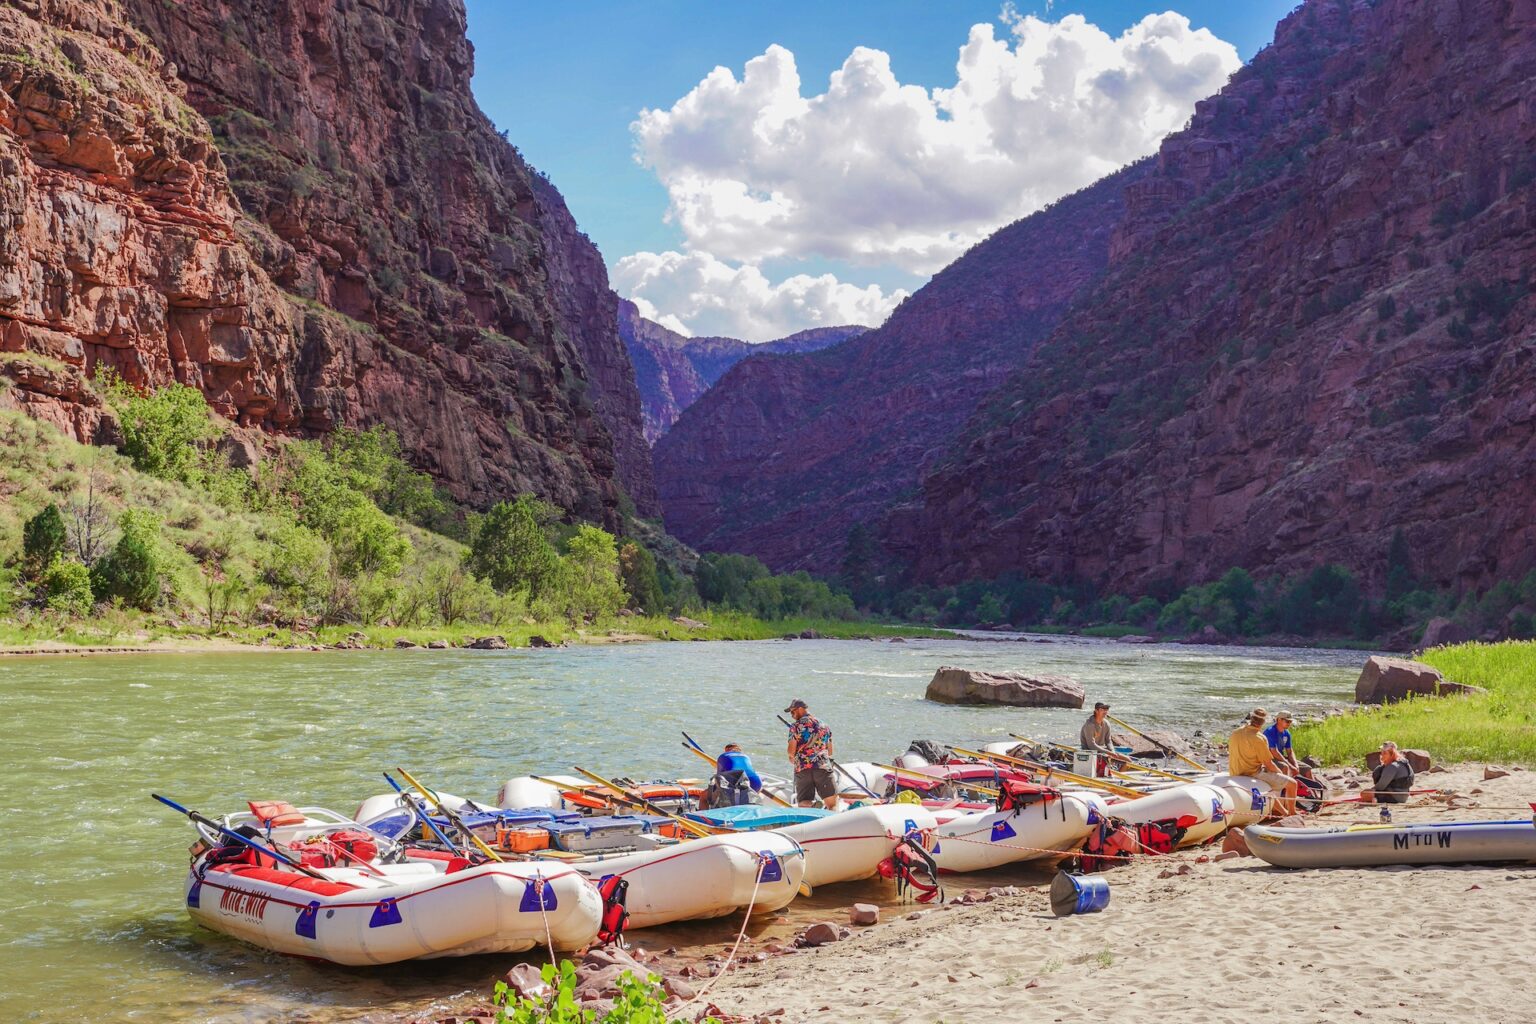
pixel 1304 325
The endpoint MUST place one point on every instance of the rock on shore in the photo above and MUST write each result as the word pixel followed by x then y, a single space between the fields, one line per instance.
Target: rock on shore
pixel 1387 680
pixel 952 685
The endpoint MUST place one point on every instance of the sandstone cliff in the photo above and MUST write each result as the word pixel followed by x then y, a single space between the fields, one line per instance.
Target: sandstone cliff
pixel 298 208
pixel 1317 329
pixel 784 455
pixel 673 370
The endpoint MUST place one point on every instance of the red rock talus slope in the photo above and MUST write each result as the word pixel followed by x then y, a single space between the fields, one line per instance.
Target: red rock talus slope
pixel 673 370
pixel 784 454
pixel 1318 328
pixel 390 259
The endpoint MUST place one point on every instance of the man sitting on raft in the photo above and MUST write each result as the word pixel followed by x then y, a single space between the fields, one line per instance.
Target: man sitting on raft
pixel 1095 736
pixel 1248 754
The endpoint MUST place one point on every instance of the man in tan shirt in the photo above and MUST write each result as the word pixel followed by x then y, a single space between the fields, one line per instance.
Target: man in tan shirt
pixel 1248 754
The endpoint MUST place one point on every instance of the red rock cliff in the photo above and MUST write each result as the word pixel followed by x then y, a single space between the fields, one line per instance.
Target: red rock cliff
pixel 389 258
pixel 1318 329
pixel 783 455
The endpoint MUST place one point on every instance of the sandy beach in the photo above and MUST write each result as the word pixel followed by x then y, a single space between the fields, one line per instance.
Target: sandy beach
pixel 1232 940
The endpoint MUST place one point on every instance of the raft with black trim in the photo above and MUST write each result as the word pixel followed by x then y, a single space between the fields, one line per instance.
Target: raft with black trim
pixel 1357 846
pixel 368 911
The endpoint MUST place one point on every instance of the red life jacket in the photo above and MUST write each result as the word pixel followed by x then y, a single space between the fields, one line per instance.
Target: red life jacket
pixel 1110 843
pixel 913 868
pixel 1015 795
pixel 275 813
pixel 614 890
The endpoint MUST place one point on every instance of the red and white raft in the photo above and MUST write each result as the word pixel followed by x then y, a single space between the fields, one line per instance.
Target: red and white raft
pixel 371 911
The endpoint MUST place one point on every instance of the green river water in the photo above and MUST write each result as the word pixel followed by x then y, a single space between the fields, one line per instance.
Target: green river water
pixel 91 919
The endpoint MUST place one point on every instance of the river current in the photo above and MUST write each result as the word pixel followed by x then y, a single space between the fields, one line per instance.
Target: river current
pixel 91 917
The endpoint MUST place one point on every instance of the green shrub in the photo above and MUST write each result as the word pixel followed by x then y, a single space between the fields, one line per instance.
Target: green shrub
pixel 42 539
pixel 67 586
pixel 132 572
pixel 639 1002
pixel 511 548
pixel 590 583
pixel 638 568
pixel 295 564
pixel 163 430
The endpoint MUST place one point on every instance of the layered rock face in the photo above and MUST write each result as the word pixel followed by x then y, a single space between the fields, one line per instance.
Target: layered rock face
pixel 389 258
pixel 1317 329
pixel 673 370
pixel 783 456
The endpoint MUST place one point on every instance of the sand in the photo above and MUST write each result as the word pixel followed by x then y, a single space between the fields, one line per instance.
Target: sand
pixel 1233 940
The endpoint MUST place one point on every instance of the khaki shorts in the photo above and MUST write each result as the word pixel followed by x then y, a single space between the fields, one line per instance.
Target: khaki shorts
pixel 1277 782
pixel 813 783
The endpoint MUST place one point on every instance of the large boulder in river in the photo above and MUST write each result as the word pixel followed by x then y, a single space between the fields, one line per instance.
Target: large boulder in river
pixel 1152 742
pixel 968 686
pixel 1387 680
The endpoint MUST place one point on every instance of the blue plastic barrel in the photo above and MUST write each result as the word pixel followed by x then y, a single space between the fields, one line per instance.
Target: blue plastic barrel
pixel 1078 894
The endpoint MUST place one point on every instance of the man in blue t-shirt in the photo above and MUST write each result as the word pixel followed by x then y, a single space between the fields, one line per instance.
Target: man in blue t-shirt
pixel 1279 737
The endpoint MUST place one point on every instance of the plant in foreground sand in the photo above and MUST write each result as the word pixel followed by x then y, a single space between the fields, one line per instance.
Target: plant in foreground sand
pixel 638 1002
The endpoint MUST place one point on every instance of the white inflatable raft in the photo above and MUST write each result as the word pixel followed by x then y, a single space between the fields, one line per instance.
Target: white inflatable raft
pixel 1445 842
pixel 703 878
pixel 979 840
pixel 1204 811
pixel 849 845
pixel 385 913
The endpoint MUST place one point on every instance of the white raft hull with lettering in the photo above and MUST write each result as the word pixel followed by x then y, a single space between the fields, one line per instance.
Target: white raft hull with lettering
pixel 980 840
pixel 1353 846
pixel 418 912
pixel 704 878
pixel 848 846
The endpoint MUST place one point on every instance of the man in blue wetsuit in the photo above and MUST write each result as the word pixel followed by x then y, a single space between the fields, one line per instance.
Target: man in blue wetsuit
pixel 735 778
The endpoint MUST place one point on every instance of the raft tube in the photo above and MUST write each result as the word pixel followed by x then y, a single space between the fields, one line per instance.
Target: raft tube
pixel 1357 846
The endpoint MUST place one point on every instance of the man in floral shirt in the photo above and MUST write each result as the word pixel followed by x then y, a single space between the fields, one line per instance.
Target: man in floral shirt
pixel 810 753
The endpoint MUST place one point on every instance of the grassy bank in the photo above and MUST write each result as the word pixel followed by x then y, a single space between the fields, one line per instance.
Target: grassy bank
pixel 1498 726
pixel 128 631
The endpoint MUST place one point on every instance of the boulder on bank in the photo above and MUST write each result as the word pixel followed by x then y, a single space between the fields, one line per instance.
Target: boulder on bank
pixel 1440 631
pixel 952 685
pixel 1418 759
pixel 488 643
pixel 1136 638
pixel 1152 743
pixel 1387 680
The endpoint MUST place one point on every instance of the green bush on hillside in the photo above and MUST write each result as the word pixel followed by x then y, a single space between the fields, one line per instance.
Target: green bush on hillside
pixel 43 539
pixel 590 585
pixel 163 430
pixel 67 586
pixel 511 548
pixel 641 581
pixel 132 572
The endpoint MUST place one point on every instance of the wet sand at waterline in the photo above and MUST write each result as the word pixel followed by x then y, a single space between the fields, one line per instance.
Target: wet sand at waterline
pixel 1232 941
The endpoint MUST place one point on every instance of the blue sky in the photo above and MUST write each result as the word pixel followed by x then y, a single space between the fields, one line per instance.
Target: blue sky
pixel 566 80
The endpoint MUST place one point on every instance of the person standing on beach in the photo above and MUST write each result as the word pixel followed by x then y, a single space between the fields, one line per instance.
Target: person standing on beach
pixel 810 755
pixel 1248 754
pixel 1095 736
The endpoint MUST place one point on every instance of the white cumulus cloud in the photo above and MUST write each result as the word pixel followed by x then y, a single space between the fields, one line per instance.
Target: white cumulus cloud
pixel 874 172
pixel 694 293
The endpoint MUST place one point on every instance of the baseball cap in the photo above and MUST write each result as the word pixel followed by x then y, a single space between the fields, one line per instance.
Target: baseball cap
pixel 1258 713
pixel 1101 704
pixel 1285 715
pixel 796 703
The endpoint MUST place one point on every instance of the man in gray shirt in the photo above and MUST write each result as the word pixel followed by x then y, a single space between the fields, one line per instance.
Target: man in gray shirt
pixel 1095 736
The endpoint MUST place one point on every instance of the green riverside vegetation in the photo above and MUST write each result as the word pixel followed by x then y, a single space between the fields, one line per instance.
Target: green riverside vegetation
pixel 1498 726
pixel 1329 603
pixel 336 539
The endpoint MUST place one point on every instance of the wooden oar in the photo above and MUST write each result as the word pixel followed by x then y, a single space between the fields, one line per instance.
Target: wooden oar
pixel 1037 767
pixel 988 790
pixel 452 816
pixel 635 798
pixel 694 748
pixel 1131 762
pixel 1160 746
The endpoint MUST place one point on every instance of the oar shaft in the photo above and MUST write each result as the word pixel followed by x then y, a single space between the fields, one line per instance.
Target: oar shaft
pixel 451 815
pixel 237 837
pixel 442 836
pixel 1036 766
pixel 1166 749
pixel 635 798
pixel 693 747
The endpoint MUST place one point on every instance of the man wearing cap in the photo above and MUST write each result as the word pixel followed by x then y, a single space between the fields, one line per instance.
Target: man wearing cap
pixel 1095 736
pixel 1278 736
pixel 810 754
pixel 1248 754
